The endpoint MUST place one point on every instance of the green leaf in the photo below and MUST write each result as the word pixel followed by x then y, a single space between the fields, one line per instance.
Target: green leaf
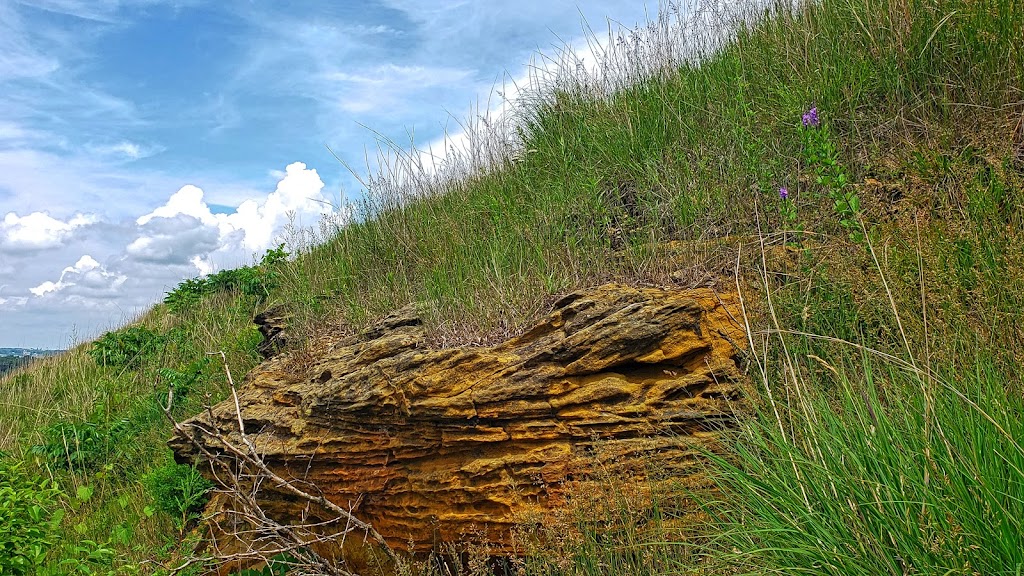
pixel 84 493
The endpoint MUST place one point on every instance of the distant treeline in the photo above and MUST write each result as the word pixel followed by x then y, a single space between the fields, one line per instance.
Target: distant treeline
pixel 8 363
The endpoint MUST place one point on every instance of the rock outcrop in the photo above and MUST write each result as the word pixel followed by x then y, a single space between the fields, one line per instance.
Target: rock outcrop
pixel 273 325
pixel 449 445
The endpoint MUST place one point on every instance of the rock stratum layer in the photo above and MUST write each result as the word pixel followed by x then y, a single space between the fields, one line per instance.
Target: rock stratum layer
pixel 453 445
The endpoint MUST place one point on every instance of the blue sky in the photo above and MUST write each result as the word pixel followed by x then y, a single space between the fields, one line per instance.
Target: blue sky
pixel 143 142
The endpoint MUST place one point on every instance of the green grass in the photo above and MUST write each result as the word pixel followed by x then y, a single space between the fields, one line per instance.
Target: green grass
pixel 42 408
pixel 896 472
pixel 891 446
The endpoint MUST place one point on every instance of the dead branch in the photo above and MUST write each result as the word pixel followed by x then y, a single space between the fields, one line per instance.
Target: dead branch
pixel 241 477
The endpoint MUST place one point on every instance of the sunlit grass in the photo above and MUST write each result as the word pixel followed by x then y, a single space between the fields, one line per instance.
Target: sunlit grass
pixel 663 166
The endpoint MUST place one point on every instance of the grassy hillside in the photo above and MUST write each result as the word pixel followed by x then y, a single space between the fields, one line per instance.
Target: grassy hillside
pixel 884 291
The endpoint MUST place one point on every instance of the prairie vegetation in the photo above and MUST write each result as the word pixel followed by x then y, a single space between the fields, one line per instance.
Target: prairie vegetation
pixel 856 169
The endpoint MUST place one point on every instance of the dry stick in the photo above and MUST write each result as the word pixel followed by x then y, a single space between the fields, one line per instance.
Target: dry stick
pixel 263 524
pixel 320 500
pixel 255 514
pixel 285 538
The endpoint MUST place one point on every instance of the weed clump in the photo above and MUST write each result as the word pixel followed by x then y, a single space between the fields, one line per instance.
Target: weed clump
pixel 178 490
pixel 79 446
pixel 126 348
pixel 257 281
pixel 29 518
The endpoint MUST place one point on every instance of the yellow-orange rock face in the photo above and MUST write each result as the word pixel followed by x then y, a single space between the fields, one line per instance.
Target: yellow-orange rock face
pixel 460 444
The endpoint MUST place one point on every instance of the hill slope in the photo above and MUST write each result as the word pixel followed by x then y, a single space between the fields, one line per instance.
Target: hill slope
pixel 858 169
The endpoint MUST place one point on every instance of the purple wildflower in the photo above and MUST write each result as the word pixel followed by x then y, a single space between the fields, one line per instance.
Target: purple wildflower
pixel 810 118
pixel 783 193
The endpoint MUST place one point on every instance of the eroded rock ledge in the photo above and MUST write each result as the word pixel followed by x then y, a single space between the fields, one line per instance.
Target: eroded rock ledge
pixel 456 444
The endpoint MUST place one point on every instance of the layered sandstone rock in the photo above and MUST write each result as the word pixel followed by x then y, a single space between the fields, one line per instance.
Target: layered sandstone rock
pixel 452 445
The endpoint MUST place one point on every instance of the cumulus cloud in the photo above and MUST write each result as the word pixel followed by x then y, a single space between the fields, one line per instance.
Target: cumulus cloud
pixel 204 265
pixel 39 230
pixel 173 240
pixel 187 201
pixel 184 229
pixel 299 192
pixel 86 277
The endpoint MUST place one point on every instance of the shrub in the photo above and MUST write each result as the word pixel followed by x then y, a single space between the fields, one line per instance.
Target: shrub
pixel 126 348
pixel 256 281
pixel 80 445
pixel 28 519
pixel 270 274
pixel 178 490
pixel 187 294
pixel 182 381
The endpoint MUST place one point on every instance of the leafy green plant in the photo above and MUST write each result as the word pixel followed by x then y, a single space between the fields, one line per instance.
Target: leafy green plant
pixel 182 381
pixel 269 277
pixel 92 558
pixel 29 517
pixel 178 490
pixel 186 294
pixel 822 155
pixel 256 281
pixel 126 348
pixel 80 445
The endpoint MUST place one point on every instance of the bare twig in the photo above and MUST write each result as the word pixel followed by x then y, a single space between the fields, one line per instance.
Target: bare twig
pixel 241 478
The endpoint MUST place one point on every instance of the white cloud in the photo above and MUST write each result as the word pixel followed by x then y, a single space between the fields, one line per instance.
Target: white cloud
pixel 39 230
pixel 44 288
pixel 184 233
pixel 124 150
pixel 186 220
pixel 173 240
pixel 33 180
pixel 12 131
pixel 12 301
pixel 299 192
pixel 102 11
pixel 88 276
pixel 384 88
pixel 129 149
pixel 187 201
pixel 203 265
